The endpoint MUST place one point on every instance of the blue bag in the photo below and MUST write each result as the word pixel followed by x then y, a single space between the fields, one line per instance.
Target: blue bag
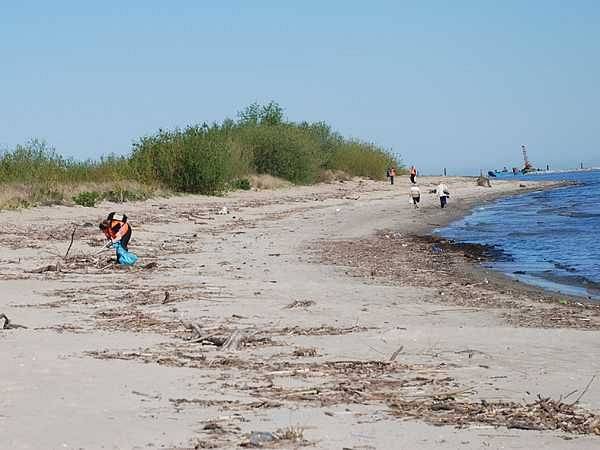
pixel 124 257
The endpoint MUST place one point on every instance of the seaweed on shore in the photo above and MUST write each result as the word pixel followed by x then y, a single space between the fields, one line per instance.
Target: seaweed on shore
pixel 428 261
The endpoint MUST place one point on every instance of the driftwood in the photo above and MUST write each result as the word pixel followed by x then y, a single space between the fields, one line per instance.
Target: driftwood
pixel 232 342
pixel 8 325
pixel 48 268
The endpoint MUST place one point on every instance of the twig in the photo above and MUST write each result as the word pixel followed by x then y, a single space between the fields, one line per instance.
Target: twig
pixel 585 390
pixel 375 350
pixel 234 341
pixel 71 243
pixel 396 353
pixel 569 394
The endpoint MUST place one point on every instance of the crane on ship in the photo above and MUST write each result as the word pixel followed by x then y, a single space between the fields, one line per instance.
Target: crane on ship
pixel 527 167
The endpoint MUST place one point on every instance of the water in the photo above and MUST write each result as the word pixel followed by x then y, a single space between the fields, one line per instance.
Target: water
pixel 550 238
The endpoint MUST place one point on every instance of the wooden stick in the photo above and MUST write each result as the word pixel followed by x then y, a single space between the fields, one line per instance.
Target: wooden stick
pixel 71 243
pixel 396 353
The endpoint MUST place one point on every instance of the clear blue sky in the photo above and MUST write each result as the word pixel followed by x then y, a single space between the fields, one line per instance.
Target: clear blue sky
pixel 457 84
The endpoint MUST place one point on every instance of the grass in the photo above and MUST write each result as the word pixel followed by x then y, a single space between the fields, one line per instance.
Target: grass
pixel 261 149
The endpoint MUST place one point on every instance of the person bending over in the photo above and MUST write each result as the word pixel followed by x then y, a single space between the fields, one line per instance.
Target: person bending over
pixel 116 229
pixel 415 195
pixel 443 192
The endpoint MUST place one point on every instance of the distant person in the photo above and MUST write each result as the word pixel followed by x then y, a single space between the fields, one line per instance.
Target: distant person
pixel 413 174
pixel 415 195
pixel 391 173
pixel 443 192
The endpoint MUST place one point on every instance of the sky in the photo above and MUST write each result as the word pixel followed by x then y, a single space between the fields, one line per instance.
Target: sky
pixel 455 84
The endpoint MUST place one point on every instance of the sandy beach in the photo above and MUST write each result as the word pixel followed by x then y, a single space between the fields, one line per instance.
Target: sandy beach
pixel 325 314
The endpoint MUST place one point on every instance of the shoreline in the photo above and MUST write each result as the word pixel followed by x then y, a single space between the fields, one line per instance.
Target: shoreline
pixel 449 215
pixel 505 278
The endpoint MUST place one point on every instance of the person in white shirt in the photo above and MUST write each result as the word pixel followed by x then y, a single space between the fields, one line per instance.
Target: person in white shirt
pixel 443 192
pixel 415 195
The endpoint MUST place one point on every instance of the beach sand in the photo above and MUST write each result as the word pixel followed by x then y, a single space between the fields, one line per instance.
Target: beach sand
pixel 343 320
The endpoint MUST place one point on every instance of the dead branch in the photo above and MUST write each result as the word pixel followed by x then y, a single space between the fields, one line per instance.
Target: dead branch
pixel 71 243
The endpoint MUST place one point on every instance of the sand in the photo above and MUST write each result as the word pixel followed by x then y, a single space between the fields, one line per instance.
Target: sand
pixel 342 311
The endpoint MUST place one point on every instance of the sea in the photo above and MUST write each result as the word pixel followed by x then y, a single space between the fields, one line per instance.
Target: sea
pixel 548 238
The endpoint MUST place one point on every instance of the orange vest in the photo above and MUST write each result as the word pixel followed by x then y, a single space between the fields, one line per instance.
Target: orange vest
pixel 117 229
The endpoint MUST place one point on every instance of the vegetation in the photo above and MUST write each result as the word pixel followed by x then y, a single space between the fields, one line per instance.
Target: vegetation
pixel 197 159
pixel 88 199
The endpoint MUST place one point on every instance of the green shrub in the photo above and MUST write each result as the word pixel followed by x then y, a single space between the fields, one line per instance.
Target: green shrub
pixel 360 159
pixel 242 184
pixel 205 159
pixel 87 199
pixel 283 151
pixel 196 160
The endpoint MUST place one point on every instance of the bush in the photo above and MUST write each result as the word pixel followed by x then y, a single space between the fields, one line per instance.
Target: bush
pixel 283 151
pixel 261 145
pixel 363 160
pixel 242 184
pixel 196 160
pixel 87 199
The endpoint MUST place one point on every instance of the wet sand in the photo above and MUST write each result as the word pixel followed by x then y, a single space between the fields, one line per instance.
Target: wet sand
pixel 332 313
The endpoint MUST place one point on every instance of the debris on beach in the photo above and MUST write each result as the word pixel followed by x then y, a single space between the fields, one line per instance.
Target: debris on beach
pixel 300 304
pixel 282 437
pixel 483 181
pixel 224 338
pixel 542 414
pixel 48 268
pixel 305 351
pixel 323 330
pixel 450 262
pixel 8 325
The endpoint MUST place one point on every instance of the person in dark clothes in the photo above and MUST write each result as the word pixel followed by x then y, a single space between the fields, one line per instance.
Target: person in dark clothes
pixel 413 174
pixel 391 174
